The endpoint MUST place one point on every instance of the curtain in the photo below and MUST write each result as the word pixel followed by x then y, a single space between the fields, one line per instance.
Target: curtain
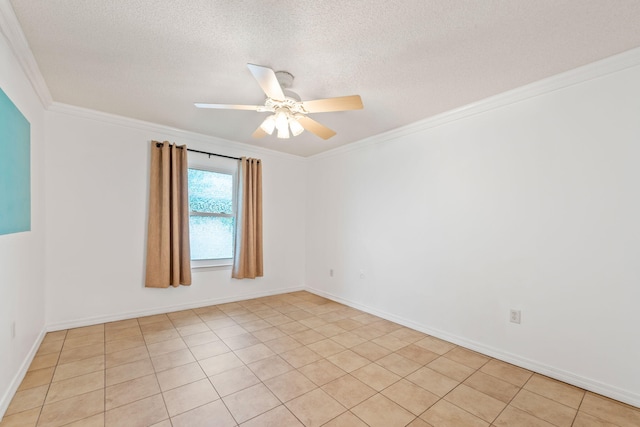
pixel 247 257
pixel 168 257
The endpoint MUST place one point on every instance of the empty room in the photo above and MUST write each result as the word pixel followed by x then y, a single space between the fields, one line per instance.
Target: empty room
pixel 330 213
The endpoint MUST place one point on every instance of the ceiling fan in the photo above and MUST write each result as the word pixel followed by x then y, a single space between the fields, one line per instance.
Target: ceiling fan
pixel 289 112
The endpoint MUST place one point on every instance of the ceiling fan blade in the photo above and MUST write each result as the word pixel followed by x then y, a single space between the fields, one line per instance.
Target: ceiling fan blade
pixel 342 103
pixel 229 106
pixel 267 80
pixel 316 128
pixel 259 133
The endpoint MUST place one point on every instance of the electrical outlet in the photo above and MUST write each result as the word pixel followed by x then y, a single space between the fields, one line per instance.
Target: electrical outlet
pixel 514 316
pixel 331 272
pixel 13 330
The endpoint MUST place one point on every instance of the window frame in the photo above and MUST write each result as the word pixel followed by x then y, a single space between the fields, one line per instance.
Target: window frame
pixel 221 167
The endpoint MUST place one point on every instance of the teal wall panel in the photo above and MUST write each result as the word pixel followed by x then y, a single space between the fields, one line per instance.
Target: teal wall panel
pixel 15 168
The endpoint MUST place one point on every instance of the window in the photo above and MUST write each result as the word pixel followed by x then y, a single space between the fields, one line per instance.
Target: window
pixel 211 216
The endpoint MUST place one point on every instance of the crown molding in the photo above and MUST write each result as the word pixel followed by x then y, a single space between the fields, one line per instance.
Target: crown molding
pixel 10 28
pixel 612 64
pixel 226 146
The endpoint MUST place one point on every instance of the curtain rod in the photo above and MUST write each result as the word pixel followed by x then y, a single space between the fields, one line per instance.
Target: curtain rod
pixel 159 144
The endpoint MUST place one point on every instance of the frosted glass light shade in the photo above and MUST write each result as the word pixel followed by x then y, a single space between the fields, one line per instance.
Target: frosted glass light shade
pixel 296 127
pixel 269 124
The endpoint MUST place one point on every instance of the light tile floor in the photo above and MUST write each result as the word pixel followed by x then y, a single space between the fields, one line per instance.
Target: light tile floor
pixel 288 360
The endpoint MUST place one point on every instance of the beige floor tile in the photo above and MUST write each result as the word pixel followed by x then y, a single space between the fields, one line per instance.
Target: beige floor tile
pixel 200 338
pixel 192 329
pixel 308 337
pixel 408 335
pixel 211 349
pixel 445 414
pixel 507 372
pixel 326 348
pixel 346 419
pixel 348 324
pixel 282 344
pixel 390 342
pixel 261 400
pixel 241 341
pixel 386 326
pixel 84 340
pixel 72 409
pixel 152 319
pixel 448 367
pixel 84 331
pixel 348 390
pixel 298 314
pixel 126 356
pixel 123 344
pixel 399 365
pixel 467 357
pixel 234 380
pixel 279 319
pixel 378 411
pixel 292 327
pixel 315 408
pixel 279 416
pixel 435 345
pixel 375 376
pixel 258 325
pixel 189 396
pixel 37 378
pixel 140 413
pixel 214 413
pixel 418 354
pixel 27 399
pixel 172 360
pixel 55 336
pixel 130 391
pixel 289 385
pixel 230 331
pixel 165 423
pixel 21 419
pixel 129 371
pixel 479 404
pixel 180 375
pixel 220 363
pixel 118 334
pixel 120 324
pixel 160 336
pixel 93 421
pixel 419 422
pixel 543 408
pixel 411 397
pixel 81 353
pixel 348 361
pixel 368 332
pixel 254 353
pixel 321 372
pixel 610 410
pixel 348 339
pixel 371 351
pixel 555 390
pixel 81 367
pixel 75 386
pixel 585 420
pixel 330 330
pixel 270 367
pixel 244 318
pixel 44 361
pixel 512 416
pixel 492 386
pixel 164 347
pixel 268 333
pixel 432 381
pixel 159 326
pixel 299 357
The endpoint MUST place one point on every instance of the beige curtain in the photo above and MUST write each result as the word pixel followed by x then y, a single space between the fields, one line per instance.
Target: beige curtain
pixel 247 258
pixel 168 257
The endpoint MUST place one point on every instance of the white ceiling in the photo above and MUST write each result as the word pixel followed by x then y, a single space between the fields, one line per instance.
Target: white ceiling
pixel 409 60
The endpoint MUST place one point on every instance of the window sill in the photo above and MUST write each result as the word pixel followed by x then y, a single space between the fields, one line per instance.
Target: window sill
pixel 212 266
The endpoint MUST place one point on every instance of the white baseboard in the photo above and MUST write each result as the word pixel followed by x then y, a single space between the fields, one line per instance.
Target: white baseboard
pixel 19 376
pixel 598 387
pixel 96 320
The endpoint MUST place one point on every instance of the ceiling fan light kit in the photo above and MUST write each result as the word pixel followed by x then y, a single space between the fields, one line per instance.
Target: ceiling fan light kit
pixel 289 112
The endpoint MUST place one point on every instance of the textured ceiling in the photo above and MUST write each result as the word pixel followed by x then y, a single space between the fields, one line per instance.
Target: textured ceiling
pixel 409 60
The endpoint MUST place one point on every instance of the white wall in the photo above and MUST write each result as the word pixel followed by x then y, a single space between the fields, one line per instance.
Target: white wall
pixel 97 192
pixel 22 254
pixel 533 206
